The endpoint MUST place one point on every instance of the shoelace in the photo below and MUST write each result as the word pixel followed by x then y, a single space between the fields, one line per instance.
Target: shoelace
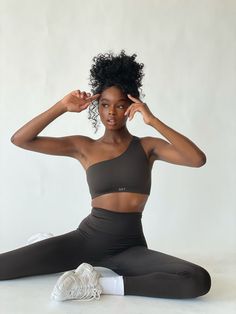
pixel 85 290
pixel 86 287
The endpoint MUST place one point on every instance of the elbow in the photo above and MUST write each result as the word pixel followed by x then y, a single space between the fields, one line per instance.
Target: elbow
pixel 20 143
pixel 15 141
pixel 201 161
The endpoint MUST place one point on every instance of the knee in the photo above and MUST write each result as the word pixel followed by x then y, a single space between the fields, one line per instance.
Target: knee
pixel 204 285
pixel 200 281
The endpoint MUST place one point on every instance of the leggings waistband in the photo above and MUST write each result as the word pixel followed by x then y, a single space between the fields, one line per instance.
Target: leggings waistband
pixel 105 213
pixel 112 222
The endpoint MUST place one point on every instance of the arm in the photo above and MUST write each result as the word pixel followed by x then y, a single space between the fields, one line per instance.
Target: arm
pixel 27 136
pixel 180 150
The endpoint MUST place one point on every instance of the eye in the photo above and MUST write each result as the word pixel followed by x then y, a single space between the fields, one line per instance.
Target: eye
pixel 120 106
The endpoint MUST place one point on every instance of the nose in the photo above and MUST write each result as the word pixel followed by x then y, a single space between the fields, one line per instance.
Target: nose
pixel 111 111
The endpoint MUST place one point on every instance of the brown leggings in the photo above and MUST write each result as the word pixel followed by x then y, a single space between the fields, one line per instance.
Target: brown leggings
pixel 116 241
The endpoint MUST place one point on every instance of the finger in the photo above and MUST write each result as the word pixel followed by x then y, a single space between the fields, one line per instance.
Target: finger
pixel 90 100
pixel 128 113
pixel 85 105
pixel 128 110
pixel 83 94
pixel 75 92
pixel 93 97
pixel 133 98
pixel 78 93
pixel 97 95
pixel 131 115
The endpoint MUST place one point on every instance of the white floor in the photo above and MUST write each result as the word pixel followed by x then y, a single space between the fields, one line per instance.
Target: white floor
pixel 32 295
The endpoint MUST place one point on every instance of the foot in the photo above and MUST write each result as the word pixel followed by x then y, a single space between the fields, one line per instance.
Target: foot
pixel 80 284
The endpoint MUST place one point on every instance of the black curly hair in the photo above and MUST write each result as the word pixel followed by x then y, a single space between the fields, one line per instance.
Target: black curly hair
pixel 109 70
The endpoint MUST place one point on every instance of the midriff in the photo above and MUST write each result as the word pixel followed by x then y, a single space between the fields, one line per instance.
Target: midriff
pixel 121 201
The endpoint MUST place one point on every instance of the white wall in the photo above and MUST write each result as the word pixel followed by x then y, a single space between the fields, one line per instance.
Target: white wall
pixel 188 48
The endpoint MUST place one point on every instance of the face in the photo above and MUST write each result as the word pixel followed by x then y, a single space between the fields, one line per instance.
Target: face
pixel 112 106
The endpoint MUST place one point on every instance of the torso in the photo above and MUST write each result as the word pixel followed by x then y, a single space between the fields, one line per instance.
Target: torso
pixel 95 151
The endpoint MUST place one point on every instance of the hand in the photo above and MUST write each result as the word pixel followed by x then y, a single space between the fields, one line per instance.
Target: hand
pixel 77 101
pixel 139 106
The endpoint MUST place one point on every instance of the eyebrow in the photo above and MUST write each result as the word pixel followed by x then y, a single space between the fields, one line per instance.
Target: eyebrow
pixel 108 99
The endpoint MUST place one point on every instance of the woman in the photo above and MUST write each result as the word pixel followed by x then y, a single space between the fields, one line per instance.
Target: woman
pixel 118 169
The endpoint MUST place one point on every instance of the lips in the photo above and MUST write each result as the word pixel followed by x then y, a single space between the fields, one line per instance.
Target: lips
pixel 111 121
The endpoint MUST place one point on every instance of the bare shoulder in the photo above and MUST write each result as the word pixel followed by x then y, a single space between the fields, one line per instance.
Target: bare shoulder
pixel 81 142
pixel 82 139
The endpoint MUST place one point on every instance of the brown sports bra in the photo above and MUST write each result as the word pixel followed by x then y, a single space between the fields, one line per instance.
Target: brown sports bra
pixel 128 172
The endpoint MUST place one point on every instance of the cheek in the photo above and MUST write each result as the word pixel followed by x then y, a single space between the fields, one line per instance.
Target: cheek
pixel 101 112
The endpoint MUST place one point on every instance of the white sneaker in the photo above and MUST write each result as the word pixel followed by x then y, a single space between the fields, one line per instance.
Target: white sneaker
pixel 81 284
pixel 39 237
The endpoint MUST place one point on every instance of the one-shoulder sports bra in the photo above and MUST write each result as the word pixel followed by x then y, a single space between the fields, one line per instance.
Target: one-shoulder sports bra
pixel 128 172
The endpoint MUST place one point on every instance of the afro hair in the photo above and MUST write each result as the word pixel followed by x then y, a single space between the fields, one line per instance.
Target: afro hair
pixel 109 70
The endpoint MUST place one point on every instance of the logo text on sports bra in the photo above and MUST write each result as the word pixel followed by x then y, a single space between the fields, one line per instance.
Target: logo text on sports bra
pixel 121 189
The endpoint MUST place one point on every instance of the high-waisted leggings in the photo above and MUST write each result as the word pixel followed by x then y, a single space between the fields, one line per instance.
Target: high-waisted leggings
pixel 116 241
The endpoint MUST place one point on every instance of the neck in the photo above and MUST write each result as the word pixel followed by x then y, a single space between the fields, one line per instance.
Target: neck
pixel 116 135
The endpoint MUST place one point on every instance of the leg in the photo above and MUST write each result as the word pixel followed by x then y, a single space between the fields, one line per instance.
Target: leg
pixel 151 273
pixel 56 254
